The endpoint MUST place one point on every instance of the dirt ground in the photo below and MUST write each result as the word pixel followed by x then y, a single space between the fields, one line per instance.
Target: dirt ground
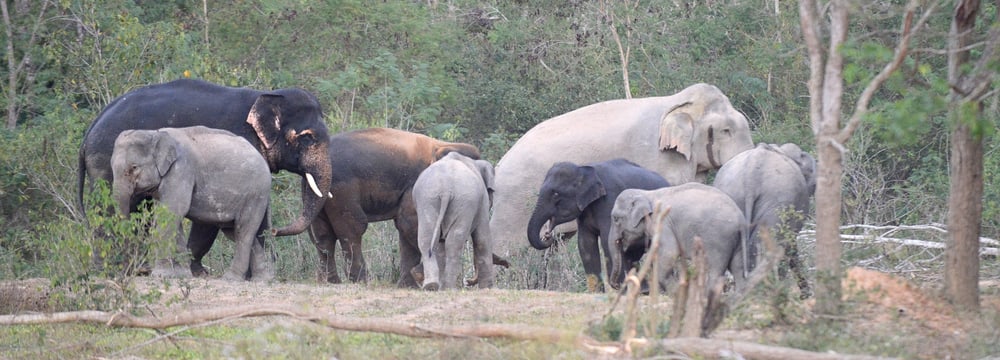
pixel 878 301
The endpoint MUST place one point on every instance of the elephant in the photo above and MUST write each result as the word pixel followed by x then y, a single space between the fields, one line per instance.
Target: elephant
pixel 453 197
pixel 696 210
pixel 285 126
pixel 765 182
pixel 210 176
pixel 587 194
pixel 681 137
pixel 373 175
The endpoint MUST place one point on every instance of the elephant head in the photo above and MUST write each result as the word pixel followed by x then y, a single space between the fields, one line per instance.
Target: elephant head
pixel 140 160
pixel 289 124
pixel 631 226
pixel 566 191
pixel 706 129
pixel 805 162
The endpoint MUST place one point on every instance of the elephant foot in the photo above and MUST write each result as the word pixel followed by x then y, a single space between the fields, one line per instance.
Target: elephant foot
pixel 262 273
pixel 200 271
pixel 231 276
pixel 170 269
pixel 418 274
pixel 432 286
pixel 592 283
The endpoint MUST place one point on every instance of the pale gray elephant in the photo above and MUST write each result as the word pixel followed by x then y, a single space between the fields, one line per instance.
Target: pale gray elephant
pixel 681 137
pixel 772 185
pixel 453 197
pixel 695 210
pixel 209 176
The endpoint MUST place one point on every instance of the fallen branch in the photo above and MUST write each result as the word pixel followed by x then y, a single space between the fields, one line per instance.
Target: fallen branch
pixel 885 237
pixel 706 348
pixel 726 349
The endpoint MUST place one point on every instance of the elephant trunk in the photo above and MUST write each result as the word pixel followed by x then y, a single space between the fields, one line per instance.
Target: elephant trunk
pixel 313 200
pixel 538 219
pixel 123 192
pixel 615 253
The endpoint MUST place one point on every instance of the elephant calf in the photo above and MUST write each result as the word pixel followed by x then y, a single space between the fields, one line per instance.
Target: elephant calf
pixel 210 176
pixel 453 197
pixel 766 182
pixel 696 210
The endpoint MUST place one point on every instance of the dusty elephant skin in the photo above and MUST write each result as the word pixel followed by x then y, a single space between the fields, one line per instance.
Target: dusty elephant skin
pixel 587 193
pixel 210 176
pixel 453 200
pixel 373 175
pixel 695 210
pixel 284 126
pixel 680 137
pixel 765 182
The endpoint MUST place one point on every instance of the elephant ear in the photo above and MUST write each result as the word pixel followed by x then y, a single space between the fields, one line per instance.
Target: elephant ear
pixel 486 171
pixel 264 117
pixel 641 209
pixel 677 131
pixel 591 187
pixel 164 152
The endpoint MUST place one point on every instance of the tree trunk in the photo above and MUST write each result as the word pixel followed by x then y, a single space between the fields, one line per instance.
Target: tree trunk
pixel 965 207
pixel 11 69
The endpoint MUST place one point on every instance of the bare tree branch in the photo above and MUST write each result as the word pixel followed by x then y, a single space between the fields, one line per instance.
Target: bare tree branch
pixel 899 54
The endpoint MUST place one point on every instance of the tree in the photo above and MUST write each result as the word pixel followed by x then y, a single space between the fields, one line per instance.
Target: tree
pixel 826 92
pixel 16 69
pixel 965 205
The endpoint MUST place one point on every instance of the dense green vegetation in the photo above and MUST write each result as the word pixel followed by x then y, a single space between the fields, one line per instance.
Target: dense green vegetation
pixel 482 72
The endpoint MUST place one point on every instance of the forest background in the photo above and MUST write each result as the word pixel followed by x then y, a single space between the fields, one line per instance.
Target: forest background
pixel 481 72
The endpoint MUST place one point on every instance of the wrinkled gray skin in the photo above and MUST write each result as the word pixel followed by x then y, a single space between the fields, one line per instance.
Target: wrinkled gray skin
pixel 681 137
pixel 695 210
pixel 586 193
pixel 453 197
pixel 766 182
pixel 209 176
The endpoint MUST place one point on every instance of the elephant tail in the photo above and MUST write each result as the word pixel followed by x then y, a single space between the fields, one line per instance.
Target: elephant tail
pixel 745 230
pixel 81 179
pixel 442 210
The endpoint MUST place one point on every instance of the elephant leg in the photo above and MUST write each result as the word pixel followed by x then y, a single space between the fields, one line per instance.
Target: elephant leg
pixel 349 222
pixel 795 265
pixel 325 240
pixel 261 256
pixel 246 227
pixel 591 258
pixel 482 250
pixel 430 278
pixel 200 240
pixel 453 246
pixel 409 251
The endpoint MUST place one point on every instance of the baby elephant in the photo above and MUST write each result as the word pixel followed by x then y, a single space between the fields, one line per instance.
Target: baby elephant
pixel 453 197
pixel 769 183
pixel 209 176
pixel 696 210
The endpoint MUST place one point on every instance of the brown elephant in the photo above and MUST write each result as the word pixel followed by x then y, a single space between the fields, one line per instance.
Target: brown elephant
pixel 373 175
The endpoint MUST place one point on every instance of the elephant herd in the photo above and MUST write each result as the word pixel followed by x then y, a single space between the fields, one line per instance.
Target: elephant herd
pixel 600 171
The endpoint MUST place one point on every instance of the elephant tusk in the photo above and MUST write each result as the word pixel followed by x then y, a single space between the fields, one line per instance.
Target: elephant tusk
pixel 312 185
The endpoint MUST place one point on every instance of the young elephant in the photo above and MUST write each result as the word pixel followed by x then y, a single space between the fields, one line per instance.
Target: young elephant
pixel 695 210
pixel 453 197
pixel 586 194
pixel 766 182
pixel 209 176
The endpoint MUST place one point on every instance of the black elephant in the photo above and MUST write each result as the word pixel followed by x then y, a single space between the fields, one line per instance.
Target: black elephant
pixel 587 194
pixel 286 126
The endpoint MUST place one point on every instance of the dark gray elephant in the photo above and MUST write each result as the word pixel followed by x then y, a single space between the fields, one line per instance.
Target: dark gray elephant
pixel 453 197
pixel 210 176
pixel 772 185
pixel 695 210
pixel 586 193
pixel 284 126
